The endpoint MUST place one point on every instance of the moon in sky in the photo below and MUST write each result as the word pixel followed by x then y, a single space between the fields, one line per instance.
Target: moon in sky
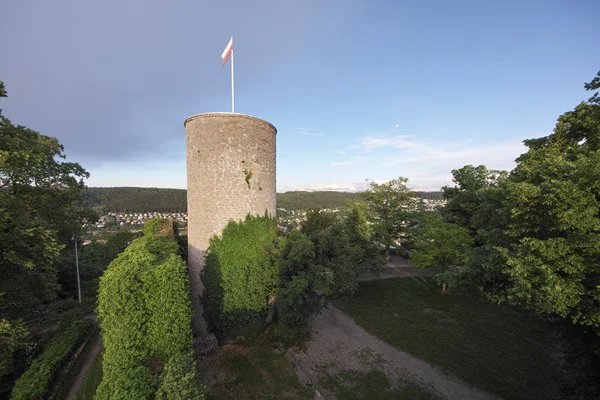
pixel 396 125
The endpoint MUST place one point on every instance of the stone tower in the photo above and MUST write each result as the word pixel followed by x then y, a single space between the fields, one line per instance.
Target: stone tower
pixel 230 173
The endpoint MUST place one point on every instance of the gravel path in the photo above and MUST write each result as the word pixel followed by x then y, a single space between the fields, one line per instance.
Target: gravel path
pixel 90 356
pixel 398 267
pixel 338 344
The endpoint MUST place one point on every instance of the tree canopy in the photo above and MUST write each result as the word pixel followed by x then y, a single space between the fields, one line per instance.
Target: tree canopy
pixel 537 229
pixel 390 205
pixel 40 209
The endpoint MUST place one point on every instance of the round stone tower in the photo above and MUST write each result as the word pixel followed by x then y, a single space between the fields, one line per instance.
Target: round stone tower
pixel 230 173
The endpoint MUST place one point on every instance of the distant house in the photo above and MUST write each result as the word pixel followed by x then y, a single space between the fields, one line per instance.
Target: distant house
pixel 86 242
pixel 101 241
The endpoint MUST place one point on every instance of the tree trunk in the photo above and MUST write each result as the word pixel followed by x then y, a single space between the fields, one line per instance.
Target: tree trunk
pixel 443 288
pixel 387 254
pixel 273 311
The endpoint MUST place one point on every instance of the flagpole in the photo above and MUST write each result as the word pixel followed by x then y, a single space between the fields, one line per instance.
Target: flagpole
pixel 232 92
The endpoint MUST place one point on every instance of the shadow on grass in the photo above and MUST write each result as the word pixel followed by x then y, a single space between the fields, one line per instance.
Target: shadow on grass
pixel 496 348
pixel 252 370
pixel 357 385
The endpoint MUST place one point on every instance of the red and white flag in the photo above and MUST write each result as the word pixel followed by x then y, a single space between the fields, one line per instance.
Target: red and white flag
pixel 227 51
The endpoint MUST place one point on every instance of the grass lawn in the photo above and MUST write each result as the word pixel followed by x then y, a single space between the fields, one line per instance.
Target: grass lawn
pixel 92 380
pixel 372 385
pixel 251 371
pixel 497 349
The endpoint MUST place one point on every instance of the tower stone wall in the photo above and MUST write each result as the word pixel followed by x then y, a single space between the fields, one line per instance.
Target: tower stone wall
pixel 231 171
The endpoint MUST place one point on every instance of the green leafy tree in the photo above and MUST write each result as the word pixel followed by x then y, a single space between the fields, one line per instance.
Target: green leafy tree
pixel 39 211
pixel 554 192
pixel 321 264
pixel 390 205
pixel 13 337
pixel 439 244
pixel 537 236
pixel 361 236
pixel 467 201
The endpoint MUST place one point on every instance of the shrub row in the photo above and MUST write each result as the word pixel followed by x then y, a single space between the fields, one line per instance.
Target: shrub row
pixel 146 316
pixel 35 383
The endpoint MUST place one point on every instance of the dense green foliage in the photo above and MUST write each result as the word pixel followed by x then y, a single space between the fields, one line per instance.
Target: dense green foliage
pixel 93 260
pixel 92 380
pixel 322 262
pixel 251 274
pixel 13 337
pixel 161 227
pixel 390 207
pixel 437 243
pixel 146 322
pixel 240 275
pixel 537 231
pixel 537 234
pixel 136 199
pixel 40 209
pixel 36 382
pixel 496 348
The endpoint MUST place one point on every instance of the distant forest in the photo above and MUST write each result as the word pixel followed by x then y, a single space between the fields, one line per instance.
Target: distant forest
pixel 136 199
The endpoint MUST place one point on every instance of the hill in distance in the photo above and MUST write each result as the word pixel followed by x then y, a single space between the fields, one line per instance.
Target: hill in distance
pixel 138 199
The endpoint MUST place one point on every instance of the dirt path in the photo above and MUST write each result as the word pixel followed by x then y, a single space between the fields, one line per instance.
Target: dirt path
pixel 89 358
pixel 398 267
pixel 338 344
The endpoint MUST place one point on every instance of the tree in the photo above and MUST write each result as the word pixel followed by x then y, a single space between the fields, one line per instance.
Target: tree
pixel 321 264
pixel 39 211
pixel 467 200
pixel 554 194
pixel 439 244
pixel 390 206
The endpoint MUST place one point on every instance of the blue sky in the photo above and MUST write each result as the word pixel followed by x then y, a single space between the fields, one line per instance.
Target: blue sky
pixel 357 89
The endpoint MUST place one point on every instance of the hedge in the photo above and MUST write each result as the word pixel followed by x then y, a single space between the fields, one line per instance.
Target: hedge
pixel 146 316
pixel 240 276
pixel 35 383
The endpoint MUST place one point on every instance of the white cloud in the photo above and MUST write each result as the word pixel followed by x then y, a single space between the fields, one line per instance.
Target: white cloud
pixel 428 165
pixel 341 163
pixel 340 152
pixel 356 160
pixel 399 142
pixel 304 132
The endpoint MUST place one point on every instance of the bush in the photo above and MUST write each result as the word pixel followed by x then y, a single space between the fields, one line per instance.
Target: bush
pixel 161 227
pixel 179 380
pixel 319 263
pixel 35 382
pixel 146 317
pixel 250 270
pixel 240 276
